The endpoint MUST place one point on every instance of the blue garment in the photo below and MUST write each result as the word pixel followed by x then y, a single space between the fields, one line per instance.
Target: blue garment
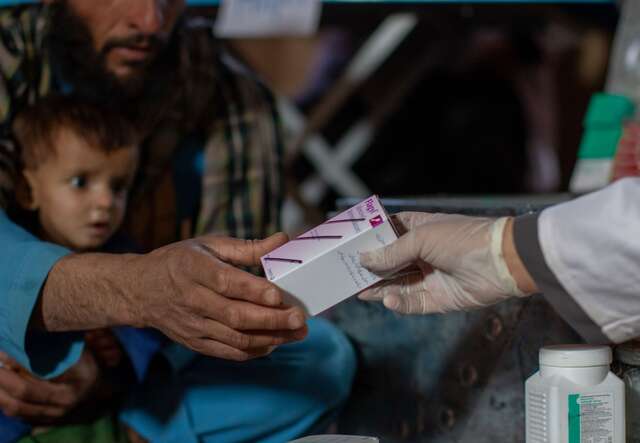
pixel 140 345
pixel 12 429
pixel 25 262
pixel 269 400
pixel 24 265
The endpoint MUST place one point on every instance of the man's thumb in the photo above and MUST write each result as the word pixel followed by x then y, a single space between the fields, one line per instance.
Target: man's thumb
pixel 243 252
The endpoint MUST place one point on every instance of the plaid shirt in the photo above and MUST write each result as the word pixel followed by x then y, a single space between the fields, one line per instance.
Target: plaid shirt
pixel 241 188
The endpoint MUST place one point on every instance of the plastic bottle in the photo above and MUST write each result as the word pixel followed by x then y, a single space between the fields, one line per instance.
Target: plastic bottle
pixel 575 398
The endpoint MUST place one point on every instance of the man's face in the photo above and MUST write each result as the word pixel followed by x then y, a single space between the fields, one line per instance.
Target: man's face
pixel 80 191
pixel 127 35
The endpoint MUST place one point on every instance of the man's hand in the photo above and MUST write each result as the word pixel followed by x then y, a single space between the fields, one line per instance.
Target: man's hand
pixel 42 402
pixel 192 291
pixel 459 263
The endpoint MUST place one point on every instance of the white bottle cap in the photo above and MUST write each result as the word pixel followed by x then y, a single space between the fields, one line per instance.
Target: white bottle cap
pixel 575 356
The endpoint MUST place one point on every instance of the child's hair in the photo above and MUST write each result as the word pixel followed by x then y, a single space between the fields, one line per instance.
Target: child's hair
pixel 35 128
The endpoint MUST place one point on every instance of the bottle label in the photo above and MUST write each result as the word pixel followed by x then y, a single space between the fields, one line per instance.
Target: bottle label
pixel 591 418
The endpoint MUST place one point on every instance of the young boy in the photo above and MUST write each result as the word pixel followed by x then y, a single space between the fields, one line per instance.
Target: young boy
pixel 78 164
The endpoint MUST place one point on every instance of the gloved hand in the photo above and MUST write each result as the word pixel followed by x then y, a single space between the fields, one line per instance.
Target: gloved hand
pixel 460 265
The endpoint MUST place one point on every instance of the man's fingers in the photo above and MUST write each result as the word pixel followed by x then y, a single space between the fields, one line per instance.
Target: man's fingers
pixel 237 284
pixel 248 340
pixel 217 349
pixel 262 247
pixel 245 316
pixel 44 414
pixel 242 252
pixel 29 389
pixel 8 362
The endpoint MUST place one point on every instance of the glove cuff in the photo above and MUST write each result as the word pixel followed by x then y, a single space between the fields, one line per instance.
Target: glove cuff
pixel 506 280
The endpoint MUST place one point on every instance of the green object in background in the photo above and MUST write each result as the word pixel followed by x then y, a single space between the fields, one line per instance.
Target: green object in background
pixel 600 143
pixel 603 128
pixel 603 125
pixel 606 110
pixel 104 430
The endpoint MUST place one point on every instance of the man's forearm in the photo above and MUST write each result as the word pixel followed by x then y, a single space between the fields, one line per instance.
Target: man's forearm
pixel 85 291
pixel 191 291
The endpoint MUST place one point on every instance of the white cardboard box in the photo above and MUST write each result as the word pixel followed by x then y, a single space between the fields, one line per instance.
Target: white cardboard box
pixel 321 267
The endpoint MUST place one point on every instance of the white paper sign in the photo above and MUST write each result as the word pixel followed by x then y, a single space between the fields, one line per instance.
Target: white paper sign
pixel 262 18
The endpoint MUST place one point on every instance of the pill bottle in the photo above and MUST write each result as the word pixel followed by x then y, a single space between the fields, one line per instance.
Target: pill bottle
pixel 574 397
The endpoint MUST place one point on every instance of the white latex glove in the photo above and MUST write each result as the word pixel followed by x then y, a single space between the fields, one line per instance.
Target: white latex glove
pixel 460 265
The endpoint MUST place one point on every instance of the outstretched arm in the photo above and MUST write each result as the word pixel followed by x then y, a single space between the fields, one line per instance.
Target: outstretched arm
pixel 192 291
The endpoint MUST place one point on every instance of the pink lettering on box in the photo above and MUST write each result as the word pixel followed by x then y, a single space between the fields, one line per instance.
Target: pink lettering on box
pixel 376 221
pixel 371 207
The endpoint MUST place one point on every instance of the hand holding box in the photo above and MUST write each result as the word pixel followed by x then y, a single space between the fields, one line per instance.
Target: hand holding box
pixel 321 267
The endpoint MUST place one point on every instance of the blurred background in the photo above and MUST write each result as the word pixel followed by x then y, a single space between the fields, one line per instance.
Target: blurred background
pixel 421 100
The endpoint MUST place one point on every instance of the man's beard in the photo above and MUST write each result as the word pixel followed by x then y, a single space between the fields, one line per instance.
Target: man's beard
pixel 144 94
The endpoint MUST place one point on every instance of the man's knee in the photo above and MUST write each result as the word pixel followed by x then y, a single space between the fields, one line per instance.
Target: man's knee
pixel 331 361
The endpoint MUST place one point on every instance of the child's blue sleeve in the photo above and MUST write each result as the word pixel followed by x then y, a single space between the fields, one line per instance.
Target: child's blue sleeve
pixel 12 429
pixel 25 262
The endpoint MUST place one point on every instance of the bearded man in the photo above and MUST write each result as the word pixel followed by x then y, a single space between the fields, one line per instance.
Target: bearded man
pixel 211 165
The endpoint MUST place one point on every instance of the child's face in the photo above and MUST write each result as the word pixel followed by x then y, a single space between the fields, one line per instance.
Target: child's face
pixel 81 192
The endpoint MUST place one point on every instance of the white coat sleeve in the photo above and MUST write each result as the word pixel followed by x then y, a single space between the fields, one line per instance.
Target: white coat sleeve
pixel 592 246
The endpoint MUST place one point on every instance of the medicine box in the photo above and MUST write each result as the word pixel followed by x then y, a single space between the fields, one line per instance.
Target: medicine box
pixel 321 267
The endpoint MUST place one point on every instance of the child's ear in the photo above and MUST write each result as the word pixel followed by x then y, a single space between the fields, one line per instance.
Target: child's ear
pixel 26 191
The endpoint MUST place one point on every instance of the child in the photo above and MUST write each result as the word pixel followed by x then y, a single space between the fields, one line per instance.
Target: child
pixel 78 164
